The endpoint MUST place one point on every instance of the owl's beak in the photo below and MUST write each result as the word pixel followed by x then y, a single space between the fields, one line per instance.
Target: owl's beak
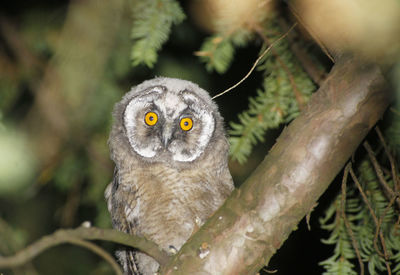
pixel 166 135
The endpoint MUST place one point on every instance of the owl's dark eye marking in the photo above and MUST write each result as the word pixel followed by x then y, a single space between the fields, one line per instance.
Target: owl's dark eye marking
pixel 186 123
pixel 150 118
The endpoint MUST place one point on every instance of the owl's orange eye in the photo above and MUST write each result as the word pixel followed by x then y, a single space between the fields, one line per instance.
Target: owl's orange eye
pixel 186 123
pixel 151 118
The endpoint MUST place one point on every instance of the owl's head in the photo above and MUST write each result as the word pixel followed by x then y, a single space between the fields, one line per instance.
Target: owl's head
pixel 167 119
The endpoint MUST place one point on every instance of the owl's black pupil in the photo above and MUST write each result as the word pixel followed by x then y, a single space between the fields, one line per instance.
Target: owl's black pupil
pixel 186 123
pixel 151 118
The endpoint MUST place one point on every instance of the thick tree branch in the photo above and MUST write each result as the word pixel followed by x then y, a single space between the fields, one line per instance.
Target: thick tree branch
pixel 254 222
pixel 76 236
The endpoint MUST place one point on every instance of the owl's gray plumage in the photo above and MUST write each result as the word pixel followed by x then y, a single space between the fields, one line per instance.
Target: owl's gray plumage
pixel 170 176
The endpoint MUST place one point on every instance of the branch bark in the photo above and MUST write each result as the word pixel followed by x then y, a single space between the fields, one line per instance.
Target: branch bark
pixel 253 223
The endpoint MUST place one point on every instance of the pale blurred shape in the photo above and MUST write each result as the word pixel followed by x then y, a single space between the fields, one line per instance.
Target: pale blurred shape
pixel 368 27
pixel 17 162
pixel 227 16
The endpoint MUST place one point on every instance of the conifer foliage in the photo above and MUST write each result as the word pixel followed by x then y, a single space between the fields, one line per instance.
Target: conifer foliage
pixel 363 221
pixel 285 90
pixel 151 28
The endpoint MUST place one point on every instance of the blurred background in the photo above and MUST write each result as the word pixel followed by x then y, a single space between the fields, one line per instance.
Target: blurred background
pixel 63 65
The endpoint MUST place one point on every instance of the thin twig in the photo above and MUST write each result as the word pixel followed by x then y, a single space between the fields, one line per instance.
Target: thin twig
pixel 346 221
pixel 99 251
pixel 308 216
pixel 378 228
pixel 366 201
pixel 83 233
pixel 382 239
pixel 392 194
pixel 391 160
pixel 297 93
pixel 388 190
pixel 255 63
pixel 315 73
pixel 8 245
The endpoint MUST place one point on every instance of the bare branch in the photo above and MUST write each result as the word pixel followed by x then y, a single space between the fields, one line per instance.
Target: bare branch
pixel 346 221
pixel 314 72
pixel 376 221
pixel 378 170
pixel 76 236
pixel 393 165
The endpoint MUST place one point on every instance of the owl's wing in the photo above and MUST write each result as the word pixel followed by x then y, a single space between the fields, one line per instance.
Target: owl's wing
pixel 121 200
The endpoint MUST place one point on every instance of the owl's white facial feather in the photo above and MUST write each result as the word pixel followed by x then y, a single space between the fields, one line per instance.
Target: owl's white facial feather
pixel 171 105
pixel 130 118
pixel 166 140
pixel 204 137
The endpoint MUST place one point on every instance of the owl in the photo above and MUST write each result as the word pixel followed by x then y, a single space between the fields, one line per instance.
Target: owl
pixel 170 151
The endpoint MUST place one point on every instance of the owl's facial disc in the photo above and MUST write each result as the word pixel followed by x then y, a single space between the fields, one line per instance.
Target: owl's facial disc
pixel 163 126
